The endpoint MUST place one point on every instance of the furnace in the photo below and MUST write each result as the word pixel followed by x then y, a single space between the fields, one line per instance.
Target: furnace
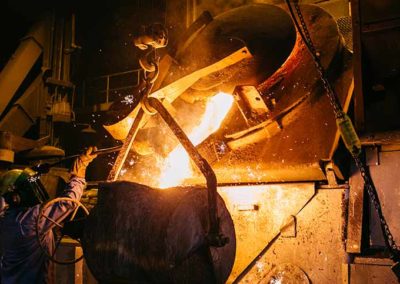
pixel 239 141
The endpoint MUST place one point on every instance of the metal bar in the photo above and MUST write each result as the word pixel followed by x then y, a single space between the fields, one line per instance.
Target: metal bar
pixel 381 26
pixel 43 168
pixel 119 89
pixel 359 115
pixel 98 152
pixel 60 50
pixel 108 89
pixel 381 138
pixel 138 78
pixel 78 266
pixel 200 162
pixel 123 154
pixel 116 74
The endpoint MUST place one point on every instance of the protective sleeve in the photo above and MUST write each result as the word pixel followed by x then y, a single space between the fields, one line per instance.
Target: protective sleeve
pixel 60 210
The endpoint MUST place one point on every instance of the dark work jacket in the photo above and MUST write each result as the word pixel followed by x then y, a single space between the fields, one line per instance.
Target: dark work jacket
pixel 23 261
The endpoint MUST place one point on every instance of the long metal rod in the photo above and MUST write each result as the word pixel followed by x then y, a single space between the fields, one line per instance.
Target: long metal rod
pixel 102 151
pixel 123 154
pixel 44 168
pixel 200 162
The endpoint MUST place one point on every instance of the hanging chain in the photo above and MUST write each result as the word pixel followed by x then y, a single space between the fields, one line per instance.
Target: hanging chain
pixel 333 100
pixel 338 111
pixel 373 195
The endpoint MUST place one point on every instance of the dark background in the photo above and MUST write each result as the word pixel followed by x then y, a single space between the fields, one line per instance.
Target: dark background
pixel 104 29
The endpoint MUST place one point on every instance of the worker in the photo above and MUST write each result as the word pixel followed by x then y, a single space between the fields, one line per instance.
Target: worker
pixel 23 259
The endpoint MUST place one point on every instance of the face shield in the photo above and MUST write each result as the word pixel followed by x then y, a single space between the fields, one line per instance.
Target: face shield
pixel 26 185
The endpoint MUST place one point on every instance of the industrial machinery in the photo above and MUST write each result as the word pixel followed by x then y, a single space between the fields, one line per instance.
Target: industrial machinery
pixel 237 160
pixel 272 103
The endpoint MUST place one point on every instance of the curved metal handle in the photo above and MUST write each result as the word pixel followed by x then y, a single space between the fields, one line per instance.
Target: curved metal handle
pixel 214 238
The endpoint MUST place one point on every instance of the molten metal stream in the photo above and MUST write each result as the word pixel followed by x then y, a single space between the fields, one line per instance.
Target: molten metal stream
pixel 200 162
pixel 176 167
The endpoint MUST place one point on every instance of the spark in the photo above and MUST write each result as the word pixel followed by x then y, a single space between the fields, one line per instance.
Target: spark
pixel 33 178
pixel 128 100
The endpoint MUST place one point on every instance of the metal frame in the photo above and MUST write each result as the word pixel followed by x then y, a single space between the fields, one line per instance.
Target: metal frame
pixel 107 78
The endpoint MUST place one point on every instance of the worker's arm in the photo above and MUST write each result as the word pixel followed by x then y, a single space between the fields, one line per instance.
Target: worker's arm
pixel 27 219
pixel 61 209
pixel 74 189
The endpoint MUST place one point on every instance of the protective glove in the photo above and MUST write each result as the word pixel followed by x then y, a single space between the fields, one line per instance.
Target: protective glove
pixel 81 163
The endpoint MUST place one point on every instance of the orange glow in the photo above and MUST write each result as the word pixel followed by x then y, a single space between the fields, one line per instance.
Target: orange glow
pixel 176 167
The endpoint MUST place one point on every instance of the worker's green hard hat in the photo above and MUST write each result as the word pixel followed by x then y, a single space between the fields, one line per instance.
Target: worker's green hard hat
pixel 26 184
pixel 8 179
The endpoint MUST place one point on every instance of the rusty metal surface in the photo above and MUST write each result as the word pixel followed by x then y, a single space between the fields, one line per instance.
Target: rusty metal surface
pixel 307 131
pixel 265 29
pixel 381 138
pixel 137 233
pixel 385 177
pixel 372 274
pixel 286 273
pixel 355 213
pixel 318 248
pixel 258 212
pixel 301 131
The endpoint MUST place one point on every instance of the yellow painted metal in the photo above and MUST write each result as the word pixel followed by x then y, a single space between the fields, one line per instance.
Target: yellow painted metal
pixel 20 63
pixel 22 115
pixel 6 155
pixel 258 213
pixel 172 91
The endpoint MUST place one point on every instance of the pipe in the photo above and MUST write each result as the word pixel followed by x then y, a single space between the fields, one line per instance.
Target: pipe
pixel 201 163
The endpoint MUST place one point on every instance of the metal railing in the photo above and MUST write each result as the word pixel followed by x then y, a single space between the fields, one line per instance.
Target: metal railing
pixel 102 89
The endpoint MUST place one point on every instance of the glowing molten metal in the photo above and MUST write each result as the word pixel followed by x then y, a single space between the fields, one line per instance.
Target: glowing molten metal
pixel 176 167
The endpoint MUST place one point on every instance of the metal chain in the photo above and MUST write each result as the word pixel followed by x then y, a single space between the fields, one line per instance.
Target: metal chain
pixel 333 100
pixel 337 108
pixel 373 195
